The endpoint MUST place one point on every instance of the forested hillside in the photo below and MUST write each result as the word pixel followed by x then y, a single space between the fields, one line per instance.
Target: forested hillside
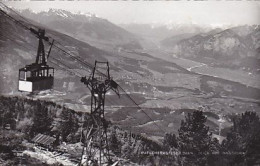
pixel 21 119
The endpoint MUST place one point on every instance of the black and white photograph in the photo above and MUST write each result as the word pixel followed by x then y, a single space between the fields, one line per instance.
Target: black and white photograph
pixel 129 83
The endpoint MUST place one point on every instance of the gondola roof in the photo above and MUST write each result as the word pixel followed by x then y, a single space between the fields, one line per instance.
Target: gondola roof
pixel 35 67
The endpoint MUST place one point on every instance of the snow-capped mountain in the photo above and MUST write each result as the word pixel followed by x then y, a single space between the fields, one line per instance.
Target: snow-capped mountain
pixel 83 26
pixel 61 14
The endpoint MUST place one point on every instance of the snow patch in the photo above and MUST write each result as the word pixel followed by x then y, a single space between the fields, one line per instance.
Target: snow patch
pixel 149 123
pixel 170 125
pixel 172 112
pixel 157 113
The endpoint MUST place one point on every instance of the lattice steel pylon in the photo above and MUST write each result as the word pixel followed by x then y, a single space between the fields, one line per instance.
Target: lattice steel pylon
pixel 99 83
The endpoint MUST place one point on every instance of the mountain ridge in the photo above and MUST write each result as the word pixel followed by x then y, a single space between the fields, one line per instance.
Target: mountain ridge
pixel 86 27
pixel 233 46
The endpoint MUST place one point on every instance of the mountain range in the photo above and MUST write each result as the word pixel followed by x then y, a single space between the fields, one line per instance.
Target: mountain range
pixel 158 32
pixel 83 26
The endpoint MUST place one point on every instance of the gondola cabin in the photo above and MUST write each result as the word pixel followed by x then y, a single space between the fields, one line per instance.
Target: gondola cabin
pixel 37 76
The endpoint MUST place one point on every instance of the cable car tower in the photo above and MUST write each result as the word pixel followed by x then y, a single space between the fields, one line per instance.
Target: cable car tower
pixel 37 76
pixel 99 84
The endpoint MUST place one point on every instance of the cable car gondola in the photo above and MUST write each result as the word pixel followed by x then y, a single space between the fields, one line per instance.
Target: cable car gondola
pixel 37 76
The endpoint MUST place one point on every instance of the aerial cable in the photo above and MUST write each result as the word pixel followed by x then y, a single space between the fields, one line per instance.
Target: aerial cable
pixel 24 22
pixel 15 20
pixel 9 8
pixel 66 67
pixel 72 56
pixel 13 40
pixel 141 109
pixel 70 69
pixel 28 28
pixel 85 63
pixel 78 58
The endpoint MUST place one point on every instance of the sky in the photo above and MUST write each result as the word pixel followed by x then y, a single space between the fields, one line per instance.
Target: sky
pixel 164 12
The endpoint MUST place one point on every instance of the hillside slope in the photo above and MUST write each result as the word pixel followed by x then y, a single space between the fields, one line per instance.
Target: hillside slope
pixel 236 47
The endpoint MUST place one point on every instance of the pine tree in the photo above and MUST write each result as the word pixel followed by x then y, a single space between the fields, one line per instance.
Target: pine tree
pixel 169 144
pixel 242 139
pixel 128 146
pixel 252 153
pixel 41 120
pixel 115 144
pixel 194 139
pixel 68 124
pixel 170 141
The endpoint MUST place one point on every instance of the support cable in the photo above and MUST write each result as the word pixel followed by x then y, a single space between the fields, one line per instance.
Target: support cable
pixel 83 62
